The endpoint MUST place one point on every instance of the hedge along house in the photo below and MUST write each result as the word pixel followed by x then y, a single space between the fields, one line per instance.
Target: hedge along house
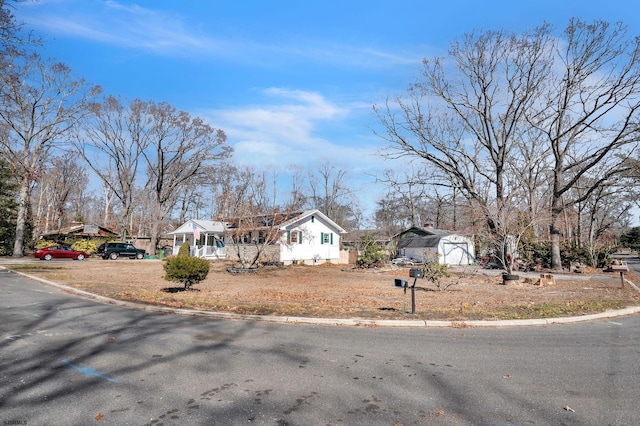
pixel 205 238
pixel 311 238
pixel 451 249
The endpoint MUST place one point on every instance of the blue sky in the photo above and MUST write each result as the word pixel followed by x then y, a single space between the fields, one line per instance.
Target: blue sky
pixel 290 82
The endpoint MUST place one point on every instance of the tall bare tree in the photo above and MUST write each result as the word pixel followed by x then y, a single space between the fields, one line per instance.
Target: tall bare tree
pixel 112 141
pixel 330 193
pixel 465 115
pixel 589 111
pixel 62 182
pixel 574 97
pixel 179 148
pixel 41 102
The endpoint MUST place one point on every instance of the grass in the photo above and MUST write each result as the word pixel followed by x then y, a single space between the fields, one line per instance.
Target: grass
pixel 554 309
pixel 335 292
pixel 32 266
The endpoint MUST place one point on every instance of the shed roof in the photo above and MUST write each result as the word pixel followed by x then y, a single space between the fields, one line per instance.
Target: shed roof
pixel 420 242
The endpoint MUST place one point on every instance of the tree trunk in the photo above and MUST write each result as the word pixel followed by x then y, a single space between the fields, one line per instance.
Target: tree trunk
pixel 556 259
pixel 153 244
pixel 21 221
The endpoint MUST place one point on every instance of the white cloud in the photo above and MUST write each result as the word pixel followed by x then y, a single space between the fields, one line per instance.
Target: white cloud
pixel 292 129
pixel 170 34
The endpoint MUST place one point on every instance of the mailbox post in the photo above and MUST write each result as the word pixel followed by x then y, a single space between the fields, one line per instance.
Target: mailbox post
pixel 621 267
pixel 414 273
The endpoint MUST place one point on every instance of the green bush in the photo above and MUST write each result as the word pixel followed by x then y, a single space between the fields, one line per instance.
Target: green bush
pixel 372 254
pixel 184 249
pixel 85 245
pixel 186 269
pixel 44 243
pixel 435 271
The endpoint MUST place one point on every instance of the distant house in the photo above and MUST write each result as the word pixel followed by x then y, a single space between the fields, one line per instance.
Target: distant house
pixel 451 248
pixel 308 237
pixel 205 238
pixel 82 230
pixel 352 241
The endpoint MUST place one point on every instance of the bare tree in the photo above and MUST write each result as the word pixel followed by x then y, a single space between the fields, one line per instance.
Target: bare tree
pixel 62 182
pixel 589 111
pixel 179 147
pixel 113 141
pixel 330 194
pixel 41 102
pixel 466 121
pixel 575 100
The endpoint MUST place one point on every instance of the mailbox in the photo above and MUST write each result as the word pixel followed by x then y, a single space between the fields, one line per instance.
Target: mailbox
pixel 415 273
pixel 400 283
pixel 619 265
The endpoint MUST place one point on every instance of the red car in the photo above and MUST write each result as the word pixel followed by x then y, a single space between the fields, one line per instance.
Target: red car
pixel 60 252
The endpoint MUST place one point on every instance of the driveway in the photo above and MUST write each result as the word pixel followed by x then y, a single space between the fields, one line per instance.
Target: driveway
pixel 67 360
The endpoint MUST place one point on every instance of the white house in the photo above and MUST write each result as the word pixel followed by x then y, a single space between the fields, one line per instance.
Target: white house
pixel 310 238
pixel 205 238
pixel 452 249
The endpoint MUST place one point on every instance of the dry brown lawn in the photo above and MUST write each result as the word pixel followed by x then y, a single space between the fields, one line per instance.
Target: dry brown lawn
pixel 340 291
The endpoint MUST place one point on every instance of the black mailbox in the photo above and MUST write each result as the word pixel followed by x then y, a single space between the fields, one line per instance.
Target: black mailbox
pixel 400 283
pixel 415 273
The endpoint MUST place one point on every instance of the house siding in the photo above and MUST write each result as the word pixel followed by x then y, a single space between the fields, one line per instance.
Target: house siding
pixel 320 243
pixel 248 251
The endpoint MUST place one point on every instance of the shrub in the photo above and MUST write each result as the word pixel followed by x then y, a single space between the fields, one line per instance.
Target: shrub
pixel 45 243
pixel 85 245
pixel 184 249
pixel 186 269
pixel 434 271
pixel 372 254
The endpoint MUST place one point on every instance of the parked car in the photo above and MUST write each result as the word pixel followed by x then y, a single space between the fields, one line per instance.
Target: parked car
pixel 60 252
pixel 405 261
pixel 114 250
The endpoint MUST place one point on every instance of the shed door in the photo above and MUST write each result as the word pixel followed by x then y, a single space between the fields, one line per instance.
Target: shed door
pixel 456 253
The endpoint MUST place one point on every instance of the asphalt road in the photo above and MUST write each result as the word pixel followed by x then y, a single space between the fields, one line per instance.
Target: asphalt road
pixel 65 360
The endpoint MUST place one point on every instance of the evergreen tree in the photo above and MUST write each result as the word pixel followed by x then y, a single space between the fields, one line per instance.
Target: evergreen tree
pixel 8 209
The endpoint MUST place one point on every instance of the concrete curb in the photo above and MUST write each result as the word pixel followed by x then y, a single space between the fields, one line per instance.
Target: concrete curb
pixel 334 322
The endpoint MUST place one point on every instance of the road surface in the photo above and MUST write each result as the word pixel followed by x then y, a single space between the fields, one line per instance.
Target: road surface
pixel 65 360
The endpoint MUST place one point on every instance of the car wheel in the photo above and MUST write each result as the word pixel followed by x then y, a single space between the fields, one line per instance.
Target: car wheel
pixel 48 256
pixel 80 257
pixel 139 256
pixel 113 256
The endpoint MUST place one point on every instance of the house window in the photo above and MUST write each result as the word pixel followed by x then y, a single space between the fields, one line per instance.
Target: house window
pixel 294 237
pixel 326 238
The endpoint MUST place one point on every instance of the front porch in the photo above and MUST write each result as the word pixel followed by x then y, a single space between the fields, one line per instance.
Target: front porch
pixel 205 239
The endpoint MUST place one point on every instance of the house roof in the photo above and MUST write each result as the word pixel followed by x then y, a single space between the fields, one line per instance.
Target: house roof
pixel 282 221
pixel 261 221
pixel 206 226
pixel 82 229
pixel 308 213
